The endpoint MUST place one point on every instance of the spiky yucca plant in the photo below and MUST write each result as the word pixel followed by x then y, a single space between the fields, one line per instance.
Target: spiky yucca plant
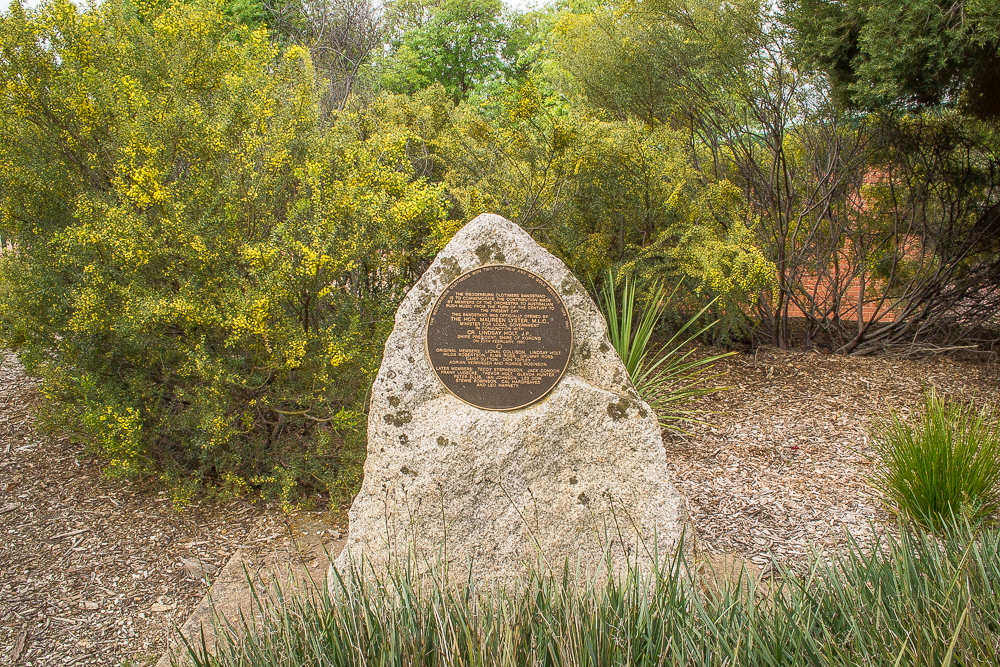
pixel 668 377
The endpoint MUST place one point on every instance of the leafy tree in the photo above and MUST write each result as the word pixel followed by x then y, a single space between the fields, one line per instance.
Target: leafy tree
pixel 517 153
pixel 724 74
pixel 199 275
pixel 718 73
pixel 251 13
pixel 647 59
pixel 904 54
pixel 460 44
pixel 929 72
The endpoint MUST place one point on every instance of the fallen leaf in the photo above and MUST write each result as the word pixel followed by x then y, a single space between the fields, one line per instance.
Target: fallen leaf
pixel 196 569
pixel 19 646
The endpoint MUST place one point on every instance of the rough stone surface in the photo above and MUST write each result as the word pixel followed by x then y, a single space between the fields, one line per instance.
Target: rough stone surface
pixel 578 475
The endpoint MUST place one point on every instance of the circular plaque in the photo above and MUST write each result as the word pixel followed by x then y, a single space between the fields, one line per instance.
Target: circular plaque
pixel 499 337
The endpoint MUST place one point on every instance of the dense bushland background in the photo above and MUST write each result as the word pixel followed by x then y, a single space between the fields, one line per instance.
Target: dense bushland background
pixel 210 211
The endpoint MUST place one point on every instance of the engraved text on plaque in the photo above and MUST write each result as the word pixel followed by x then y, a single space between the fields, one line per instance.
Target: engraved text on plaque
pixel 499 337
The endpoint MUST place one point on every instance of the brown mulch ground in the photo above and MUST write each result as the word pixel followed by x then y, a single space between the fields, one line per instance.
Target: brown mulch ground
pixel 94 571
pixel 782 469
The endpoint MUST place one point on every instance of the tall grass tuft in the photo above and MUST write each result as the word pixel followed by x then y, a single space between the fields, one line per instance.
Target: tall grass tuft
pixel 912 600
pixel 667 377
pixel 947 464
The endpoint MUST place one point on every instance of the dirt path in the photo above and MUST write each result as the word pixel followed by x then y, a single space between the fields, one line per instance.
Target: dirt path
pixel 94 571
pixel 98 572
pixel 783 468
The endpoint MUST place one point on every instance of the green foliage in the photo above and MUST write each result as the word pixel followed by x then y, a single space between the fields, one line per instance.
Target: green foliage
pixel 596 191
pixel 248 12
pixel 460 44
pixel 653 60
pixel 907 601
pixel 781 168
pixel 207 229
pixel 904 53
pixel 201 277
pixel 716 76
pixel 518 154
pixel 946 465
pixel 600 193
pixel 715 247
pixel 668 378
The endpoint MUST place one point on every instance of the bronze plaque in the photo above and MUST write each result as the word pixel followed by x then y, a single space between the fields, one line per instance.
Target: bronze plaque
pixel 499 337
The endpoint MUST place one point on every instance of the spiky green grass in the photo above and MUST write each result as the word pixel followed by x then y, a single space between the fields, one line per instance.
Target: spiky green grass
pixel 913 600
pixel 669 376
pixel 945 464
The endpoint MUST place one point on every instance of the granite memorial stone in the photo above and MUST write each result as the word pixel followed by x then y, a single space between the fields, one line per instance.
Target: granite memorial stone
pixel 503 429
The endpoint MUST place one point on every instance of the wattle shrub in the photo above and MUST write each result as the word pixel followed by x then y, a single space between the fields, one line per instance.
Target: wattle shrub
pixel 202 275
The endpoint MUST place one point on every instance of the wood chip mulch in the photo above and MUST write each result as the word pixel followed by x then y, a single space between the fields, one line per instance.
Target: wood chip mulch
pixel 781 471
pixel 96 571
